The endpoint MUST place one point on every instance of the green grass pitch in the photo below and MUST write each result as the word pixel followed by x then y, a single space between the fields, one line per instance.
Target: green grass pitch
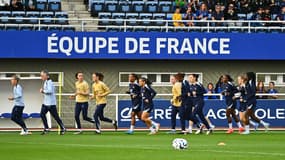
pixel 140 146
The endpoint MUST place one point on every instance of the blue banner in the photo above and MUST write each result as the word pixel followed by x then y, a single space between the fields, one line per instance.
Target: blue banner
pixel 132 45
pixel 272 111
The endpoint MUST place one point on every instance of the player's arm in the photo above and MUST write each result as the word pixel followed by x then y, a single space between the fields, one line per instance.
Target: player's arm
pixel 48 88
pixel 17 94
pixel 106 90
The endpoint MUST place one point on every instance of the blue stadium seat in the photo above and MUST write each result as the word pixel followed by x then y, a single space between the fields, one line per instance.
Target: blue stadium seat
pixel 47 17
pixel 159 16
pixel 111 6
pixel 139 29
pixel 104 18
pixel 68 29
pixel 146 17
pixel 132 17
pixel 62 17
pixel 151 6
pixel 32 14
pixel 6 115
pixel 138 6
pixel 4 16
pixel 35 115
pixel 274 16
pixel 55 28
pixel 41 28
pixel 249 16
pixel 169 17
pixel 26 27
pixel 242 16
pixel 181 29
pixel 41 5
pixel 119 18
pixel 97 6
pixel 2 28
pixel 154 29
pixel 19 15
pixel 12 27
pixel 165 6
pixel 54 5
pixel 124 6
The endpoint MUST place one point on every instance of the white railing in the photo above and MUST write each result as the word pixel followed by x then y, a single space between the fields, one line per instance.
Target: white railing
pixel 164 25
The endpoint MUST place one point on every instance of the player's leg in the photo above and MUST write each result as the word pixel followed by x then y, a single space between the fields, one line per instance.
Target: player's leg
pixel 54 113
pixel 77 111
pixel 181 111
pixel 85 113
pixel 133 123
pixel 235 117
pixel 17 118
pixel 43 113
pixel 251 109
pixel 147 121
pixel 174 111
pixel 246 122
pixel 105 119
pixel 229 119
pixel 241 117
pixel 96 119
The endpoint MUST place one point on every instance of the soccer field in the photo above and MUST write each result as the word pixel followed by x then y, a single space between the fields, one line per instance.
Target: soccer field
pixel 140 146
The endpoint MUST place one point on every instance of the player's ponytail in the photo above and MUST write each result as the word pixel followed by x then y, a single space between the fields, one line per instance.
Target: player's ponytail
pixel 147 81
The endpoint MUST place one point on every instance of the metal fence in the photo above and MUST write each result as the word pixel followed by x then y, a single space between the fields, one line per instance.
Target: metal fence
pixel 124 25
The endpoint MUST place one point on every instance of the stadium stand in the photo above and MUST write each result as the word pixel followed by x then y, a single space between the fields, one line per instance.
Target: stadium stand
pixel 146 15
pixel 140 13
pixel 46 12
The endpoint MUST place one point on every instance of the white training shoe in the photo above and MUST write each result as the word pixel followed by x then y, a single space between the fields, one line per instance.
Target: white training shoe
pixel 157 127
pixel 23 133
pixel 199 131
pixel 246 132
pixel 266 126
pixel 209 131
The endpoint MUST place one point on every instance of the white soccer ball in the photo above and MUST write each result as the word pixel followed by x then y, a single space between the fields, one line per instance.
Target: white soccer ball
pixel 179 143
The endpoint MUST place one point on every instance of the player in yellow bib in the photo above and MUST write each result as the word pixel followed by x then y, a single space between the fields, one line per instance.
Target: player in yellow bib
pixel 100 93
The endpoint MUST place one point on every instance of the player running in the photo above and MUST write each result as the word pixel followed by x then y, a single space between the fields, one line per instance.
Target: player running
pixel 229 91
pixel 177 107
pixel 197 92
pixel 100 92
pixel 19 105
pixel 148 94
pixel 250 98
pixel 49 104
pixel 81 97
pixel 135 93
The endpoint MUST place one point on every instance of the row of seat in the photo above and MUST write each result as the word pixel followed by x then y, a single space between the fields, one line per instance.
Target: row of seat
pixel 132 6
pixel 25 115
pixel 48 5
pixel 132 19
pixel 196 29
pixel 48 17
pixel 31 27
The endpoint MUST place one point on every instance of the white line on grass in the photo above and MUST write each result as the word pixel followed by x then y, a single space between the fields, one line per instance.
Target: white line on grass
pixel 152 147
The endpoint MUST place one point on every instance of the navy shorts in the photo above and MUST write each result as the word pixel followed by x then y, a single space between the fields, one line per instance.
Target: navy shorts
pixel 148 109
pixel 136 108
pixel 242 106
pixel 251 106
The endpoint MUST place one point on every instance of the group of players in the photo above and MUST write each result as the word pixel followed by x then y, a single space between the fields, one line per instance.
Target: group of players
pixel 187 101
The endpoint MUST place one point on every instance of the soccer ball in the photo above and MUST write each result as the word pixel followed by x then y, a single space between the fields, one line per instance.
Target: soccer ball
pixel 179 143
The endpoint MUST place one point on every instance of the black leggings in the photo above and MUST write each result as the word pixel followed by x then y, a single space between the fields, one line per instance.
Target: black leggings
pixel 17 113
